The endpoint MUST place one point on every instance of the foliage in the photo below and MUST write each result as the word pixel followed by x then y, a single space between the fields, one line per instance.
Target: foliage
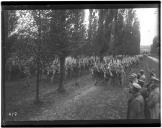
pixel 116 32
pixel 155 47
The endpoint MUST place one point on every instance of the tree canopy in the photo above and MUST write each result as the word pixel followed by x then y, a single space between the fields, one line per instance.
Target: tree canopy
pixel 44 34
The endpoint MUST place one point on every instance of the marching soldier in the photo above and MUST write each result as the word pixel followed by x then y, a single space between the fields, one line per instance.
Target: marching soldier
pixel 136 103
pixel 123 77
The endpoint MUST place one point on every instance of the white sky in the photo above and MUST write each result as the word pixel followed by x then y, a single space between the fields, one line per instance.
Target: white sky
pixel 148 18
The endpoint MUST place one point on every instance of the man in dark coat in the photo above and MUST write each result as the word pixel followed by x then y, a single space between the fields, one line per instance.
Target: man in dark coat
pixel 144 93
pixel 153 100
pixel 136 103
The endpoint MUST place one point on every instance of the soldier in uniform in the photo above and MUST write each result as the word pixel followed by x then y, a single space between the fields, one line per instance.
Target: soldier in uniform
pixel 136 103
pixel 153 100
pixel 123 77
pixel 150 79
pixel 132 79
pixel 144 93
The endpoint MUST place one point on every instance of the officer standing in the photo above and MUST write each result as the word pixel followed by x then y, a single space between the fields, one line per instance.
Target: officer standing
pixel 132 79
pixel 136 103
pixel 144 93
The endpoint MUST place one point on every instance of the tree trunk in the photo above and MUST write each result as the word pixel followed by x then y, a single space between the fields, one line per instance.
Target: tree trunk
pixel 62 74
pixel 37 81
pixel 38 58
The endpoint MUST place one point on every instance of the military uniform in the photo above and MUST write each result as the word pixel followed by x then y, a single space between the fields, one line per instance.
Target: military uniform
pixel 153 100
pixel 136 107
pixel 136 104
pixel 144 93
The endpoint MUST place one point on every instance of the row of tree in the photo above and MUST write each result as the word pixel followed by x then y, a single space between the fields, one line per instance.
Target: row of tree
pixel 155 47
pixel 45 34
pixel 114 31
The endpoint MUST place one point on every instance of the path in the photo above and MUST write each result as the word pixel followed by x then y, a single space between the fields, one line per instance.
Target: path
pixel 154 59
pixel 97 102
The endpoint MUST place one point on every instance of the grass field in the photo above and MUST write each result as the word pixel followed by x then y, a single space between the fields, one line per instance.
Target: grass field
pixel 83 102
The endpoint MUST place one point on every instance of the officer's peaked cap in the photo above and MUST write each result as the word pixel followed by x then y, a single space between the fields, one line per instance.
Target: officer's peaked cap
pixel 137 86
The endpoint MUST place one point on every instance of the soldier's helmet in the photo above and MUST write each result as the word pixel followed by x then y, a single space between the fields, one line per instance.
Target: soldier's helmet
pixel 136 87
pixel 132 76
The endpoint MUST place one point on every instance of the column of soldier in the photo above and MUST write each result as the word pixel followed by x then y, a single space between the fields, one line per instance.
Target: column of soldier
pixel 74 67
pixel 110 67
pixel 114 67
pixel 143 98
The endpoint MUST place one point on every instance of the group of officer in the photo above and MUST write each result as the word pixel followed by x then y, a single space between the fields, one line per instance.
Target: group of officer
pixel 144 98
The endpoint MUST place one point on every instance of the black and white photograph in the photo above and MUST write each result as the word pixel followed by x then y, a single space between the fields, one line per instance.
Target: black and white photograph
pixel 80 63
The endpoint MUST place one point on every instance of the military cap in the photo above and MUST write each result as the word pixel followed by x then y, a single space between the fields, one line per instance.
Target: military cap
pixel 155 79
pixel 136 86
pixel 133 75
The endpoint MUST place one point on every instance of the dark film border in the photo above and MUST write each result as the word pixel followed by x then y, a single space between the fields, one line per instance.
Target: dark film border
pixel 87 123
pixel 24 5
pixel 78 4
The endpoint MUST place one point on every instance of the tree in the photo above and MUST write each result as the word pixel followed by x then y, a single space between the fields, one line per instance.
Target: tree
pixel 90 33
pixel 136 36
pixel 131 33
pixel 66 36
pixel 30 30
pixel 9 21
pixel 155 47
